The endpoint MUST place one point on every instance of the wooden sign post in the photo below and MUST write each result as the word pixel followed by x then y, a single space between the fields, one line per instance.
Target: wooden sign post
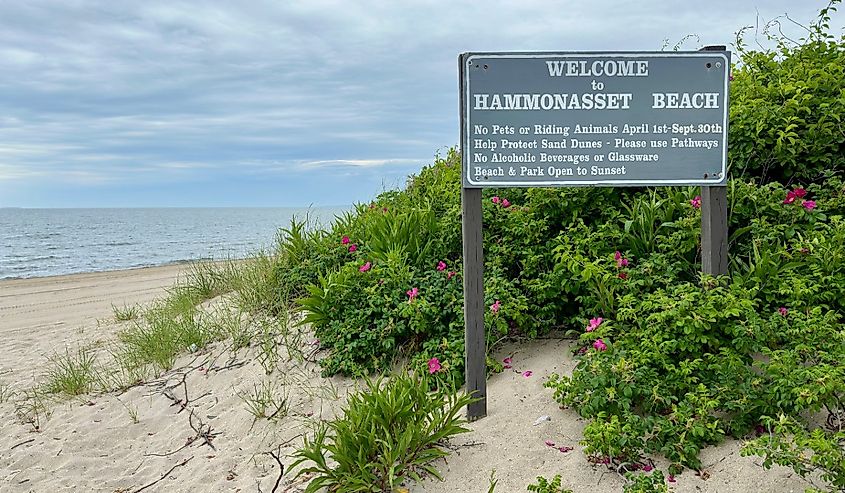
pixel 587 119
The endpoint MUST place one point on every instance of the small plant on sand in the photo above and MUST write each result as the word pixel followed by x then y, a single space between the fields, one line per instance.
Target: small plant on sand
pixel 33 409
pixel 72 374
pixel 132 410
pixel 126 312
pixel 390 432
pixel 232 324
pixel 6 392
pixel 543 485
pixel 492 481
pixel 646 483
pixel 266 401
pixel 268 346
pixel 171 327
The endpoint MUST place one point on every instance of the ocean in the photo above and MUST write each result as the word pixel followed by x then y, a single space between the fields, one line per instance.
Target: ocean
pixel 49 242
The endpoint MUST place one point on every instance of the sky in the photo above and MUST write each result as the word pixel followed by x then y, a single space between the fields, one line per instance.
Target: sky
pixel 281 103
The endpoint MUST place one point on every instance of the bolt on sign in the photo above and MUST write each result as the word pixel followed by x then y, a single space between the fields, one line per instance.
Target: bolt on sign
pixel 594 119
pixel 617 118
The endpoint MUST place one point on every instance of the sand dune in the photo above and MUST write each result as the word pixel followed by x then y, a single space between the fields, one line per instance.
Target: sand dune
pixel 150 437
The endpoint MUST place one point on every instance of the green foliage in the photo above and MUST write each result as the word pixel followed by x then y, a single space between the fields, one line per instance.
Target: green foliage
pixel 169 328
pixel 787 107
pixel 646 483
pixel 6 392
pixel 72 374
pixel 543 485
pixel 266 401
pixel 390 431
pixel 808 453
pixel 126 312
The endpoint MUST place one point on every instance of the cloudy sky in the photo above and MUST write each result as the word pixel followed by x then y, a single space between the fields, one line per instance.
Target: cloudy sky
pixel 278 103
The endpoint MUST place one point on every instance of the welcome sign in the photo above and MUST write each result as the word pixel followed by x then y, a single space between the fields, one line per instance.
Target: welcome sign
pixel 620 118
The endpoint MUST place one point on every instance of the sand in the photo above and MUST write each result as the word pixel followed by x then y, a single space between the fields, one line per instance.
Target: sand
pixel 146 437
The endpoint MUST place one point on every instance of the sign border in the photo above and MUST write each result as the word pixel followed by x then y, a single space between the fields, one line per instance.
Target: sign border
pixel 467 60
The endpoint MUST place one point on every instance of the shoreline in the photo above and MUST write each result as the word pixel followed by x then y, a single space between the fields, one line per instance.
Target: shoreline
pixel 173 263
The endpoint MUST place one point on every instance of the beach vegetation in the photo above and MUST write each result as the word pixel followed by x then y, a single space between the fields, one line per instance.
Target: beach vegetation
pixel 126 313
pixel 266 400
pixel 669 360
pixel 653 482
pixel 6 392
pixel 389 432
pixel 72 373
pixel 543 485
pixel 34 407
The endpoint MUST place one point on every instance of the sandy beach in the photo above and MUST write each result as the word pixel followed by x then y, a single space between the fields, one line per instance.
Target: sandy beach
pixel 189 430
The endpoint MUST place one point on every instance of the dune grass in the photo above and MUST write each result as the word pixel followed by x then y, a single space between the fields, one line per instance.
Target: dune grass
pixel 6 392
pixel 126 312
pixel 266 401
pixel 72 374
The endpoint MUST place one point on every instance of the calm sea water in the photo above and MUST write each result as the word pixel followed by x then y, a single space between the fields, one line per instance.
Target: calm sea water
pixel 47 242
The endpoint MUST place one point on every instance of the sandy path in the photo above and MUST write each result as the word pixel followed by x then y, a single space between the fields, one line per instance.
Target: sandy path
pixel 42 316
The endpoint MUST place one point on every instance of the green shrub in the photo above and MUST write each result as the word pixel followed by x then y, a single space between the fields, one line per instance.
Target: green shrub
pixel 390 432
pixel 646 483
pixel 786 106
pixel 543 485
pixel 810 453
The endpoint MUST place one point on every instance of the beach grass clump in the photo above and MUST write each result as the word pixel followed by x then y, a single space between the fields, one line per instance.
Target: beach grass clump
pixel 256 286
pixel 34 407
pixel 266 400
pixel 168 329
pixel 126 313
pixel 6 392
pixel 72 373
pixel 390 432
pixel 206 280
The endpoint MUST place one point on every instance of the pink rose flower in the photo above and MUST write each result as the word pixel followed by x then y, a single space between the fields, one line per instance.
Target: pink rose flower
pixel 412 293
pixel 800 192
pixel 620 260
pixel 495 307
pixel 450 274
pixel 495 199
pixel 599 345
pixel 783 311
pixel 441 266
pixel 365 267
pixel 696 202
pixel 433 366
pixel 809 204
pixel 345 240
pixel 505 203
pixel 594 324
pixel 353 247
pixel 790 197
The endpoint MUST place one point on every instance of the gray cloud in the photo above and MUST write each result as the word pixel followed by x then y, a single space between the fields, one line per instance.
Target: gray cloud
pixel 106 92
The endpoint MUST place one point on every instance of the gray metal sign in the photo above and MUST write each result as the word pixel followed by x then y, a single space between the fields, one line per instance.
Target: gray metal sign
pixel 617 118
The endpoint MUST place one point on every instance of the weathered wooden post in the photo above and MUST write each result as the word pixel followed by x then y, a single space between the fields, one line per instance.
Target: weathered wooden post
pixel 474 338
pixel 714 218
